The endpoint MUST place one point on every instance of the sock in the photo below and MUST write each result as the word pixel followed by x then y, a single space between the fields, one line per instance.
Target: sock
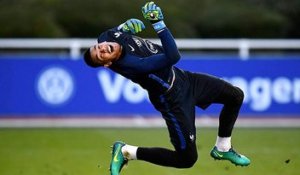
pixel 129 152
pixel 223 143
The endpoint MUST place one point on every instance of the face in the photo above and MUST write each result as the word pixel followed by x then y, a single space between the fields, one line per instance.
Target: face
pixel 105 53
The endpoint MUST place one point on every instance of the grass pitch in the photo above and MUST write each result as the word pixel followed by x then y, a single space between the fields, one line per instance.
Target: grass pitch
pixel 87 152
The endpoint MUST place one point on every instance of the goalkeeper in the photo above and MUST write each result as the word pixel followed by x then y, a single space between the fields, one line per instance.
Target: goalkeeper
pixel 172 91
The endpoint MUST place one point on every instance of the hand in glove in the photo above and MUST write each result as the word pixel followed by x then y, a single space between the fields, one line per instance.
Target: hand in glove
pixel 153 13
pixel 132 26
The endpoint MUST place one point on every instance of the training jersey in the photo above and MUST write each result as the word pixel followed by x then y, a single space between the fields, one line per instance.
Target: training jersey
pixel 144 62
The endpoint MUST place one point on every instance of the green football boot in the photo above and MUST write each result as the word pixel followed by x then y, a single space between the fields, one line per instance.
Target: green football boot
pixel 230 155
pixel 117 160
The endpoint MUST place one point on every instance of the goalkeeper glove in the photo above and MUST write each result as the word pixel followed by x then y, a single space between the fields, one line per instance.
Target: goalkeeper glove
pixel 153 13
pixel 132 26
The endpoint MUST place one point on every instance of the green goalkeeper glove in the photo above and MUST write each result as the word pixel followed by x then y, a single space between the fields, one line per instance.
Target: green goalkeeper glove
pixel 153 13
pixel 132 26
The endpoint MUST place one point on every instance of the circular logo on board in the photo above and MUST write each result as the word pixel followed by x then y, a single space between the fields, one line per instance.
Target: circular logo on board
pixel 55 85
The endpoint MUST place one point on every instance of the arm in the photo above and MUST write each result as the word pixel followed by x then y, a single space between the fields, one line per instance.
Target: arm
pixel 137 65
pixel 153 13
pixel 170 56
pixel 155 62
pixel 169 46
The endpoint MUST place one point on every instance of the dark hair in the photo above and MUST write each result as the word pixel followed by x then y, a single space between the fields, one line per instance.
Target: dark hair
pixel 88 59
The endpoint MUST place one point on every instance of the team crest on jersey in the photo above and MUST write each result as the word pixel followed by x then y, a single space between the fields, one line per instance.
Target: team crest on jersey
pixel 139 42
pixel 150 46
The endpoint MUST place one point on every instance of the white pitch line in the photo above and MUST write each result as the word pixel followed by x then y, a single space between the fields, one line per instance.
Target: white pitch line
pixel 137 122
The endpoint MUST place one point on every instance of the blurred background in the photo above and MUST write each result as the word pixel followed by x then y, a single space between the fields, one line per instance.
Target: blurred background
pixel 186 19
pixel 58 116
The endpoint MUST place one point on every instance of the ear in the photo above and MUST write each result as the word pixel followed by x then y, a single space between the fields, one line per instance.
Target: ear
pixel 107 64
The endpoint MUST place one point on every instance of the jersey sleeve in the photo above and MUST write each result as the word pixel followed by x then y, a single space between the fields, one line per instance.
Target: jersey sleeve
pixel 136 65
pixel 169 45
pixel 156 62
pixel 170 56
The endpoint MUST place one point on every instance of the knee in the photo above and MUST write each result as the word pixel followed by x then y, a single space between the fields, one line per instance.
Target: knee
pixel 191 161
pixel 188 161
pixel 238 95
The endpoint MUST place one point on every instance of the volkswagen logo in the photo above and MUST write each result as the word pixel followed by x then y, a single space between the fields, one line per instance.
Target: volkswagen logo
pixel 55 85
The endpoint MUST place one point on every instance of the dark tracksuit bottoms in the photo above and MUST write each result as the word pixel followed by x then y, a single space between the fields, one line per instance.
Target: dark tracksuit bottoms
pixel 177 107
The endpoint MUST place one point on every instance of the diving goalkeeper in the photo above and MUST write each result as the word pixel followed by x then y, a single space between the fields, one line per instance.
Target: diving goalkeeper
pixel 173 92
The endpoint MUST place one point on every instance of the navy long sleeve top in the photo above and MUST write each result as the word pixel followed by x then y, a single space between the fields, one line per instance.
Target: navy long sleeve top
pixel 143 62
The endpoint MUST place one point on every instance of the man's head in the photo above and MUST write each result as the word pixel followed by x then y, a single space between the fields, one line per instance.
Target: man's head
pixel 102 54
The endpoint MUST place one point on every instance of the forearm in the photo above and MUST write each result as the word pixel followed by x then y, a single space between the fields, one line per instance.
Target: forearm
pixel 169 45
pixel 153 13
pixel 145 65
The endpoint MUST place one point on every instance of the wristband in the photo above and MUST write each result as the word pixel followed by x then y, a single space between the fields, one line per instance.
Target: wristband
pixel 158 26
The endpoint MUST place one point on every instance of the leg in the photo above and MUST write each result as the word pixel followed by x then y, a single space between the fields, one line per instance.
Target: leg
pixel 209 89
pixel 165 157
pixel 177 108
pixel 182 137
pixel 185 158
pixel 232 98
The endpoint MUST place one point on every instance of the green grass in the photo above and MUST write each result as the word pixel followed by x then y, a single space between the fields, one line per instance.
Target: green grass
pixel 87 152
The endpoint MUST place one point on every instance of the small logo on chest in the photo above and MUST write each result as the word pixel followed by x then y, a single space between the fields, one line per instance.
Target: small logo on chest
pixel 131 48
